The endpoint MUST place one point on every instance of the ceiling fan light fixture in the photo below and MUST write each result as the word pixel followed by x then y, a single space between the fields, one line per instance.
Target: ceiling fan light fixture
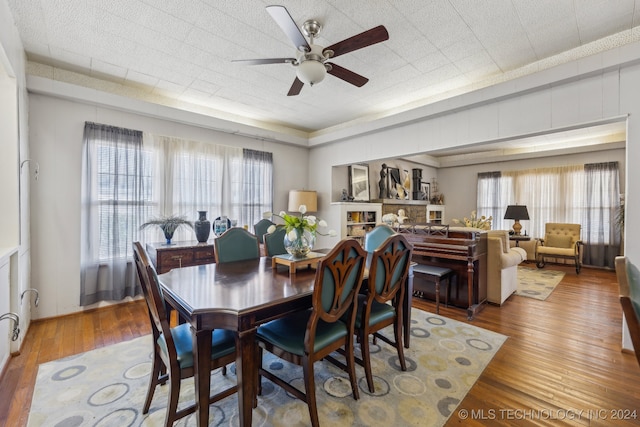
pixel 311 72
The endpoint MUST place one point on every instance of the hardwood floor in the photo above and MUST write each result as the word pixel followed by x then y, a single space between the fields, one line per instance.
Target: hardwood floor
pixel 561 365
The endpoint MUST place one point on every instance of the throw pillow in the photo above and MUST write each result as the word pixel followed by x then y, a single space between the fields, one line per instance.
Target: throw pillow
pixel 558 241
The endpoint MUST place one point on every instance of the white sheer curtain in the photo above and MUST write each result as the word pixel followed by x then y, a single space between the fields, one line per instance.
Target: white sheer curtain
pixel 550 194
pixel 198 176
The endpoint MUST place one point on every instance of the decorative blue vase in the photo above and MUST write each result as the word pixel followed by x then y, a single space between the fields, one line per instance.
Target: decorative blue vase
pixel 202 227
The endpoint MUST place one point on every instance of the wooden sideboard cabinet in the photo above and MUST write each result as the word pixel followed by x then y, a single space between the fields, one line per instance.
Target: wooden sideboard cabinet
pixel 179 254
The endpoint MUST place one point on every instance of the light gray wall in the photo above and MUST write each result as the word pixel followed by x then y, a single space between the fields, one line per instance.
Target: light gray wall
pixel 56 127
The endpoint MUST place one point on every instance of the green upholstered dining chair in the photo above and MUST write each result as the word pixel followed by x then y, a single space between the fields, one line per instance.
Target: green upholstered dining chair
pixel 172 347
pixel 236 244
pixel 260 228
pixel 628 277
pixel 311 335
pixel 387 280
pixel 274 242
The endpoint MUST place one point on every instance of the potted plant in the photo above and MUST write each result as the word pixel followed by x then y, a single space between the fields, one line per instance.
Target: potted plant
pixel 168 225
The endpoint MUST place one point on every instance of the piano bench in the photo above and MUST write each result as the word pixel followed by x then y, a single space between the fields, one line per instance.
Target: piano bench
pixel 436 275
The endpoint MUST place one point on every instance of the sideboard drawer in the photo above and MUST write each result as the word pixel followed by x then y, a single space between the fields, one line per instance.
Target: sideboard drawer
pixel 180 254
pixel 203 254
pixel 175 259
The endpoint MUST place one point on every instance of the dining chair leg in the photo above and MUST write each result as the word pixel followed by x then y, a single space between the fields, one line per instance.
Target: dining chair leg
pixel 351 366
pixel 366 360
pixel 397 331
pixel 154 380
pixel 174 394
pixel 310 391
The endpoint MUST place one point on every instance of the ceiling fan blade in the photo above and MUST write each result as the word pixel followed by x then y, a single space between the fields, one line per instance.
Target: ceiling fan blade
pixel 266 61
pixel 281 15
pixel 296 87
pixel 347 75
pixel 367 38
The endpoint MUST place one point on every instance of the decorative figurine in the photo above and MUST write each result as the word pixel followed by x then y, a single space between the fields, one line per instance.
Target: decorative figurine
pixel 345 197
pixel 381 184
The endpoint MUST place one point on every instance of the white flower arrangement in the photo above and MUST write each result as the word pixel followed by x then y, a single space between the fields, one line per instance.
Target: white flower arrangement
pixel 296 225
pixel 482 223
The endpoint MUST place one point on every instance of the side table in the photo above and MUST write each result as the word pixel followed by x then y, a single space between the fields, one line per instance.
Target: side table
pixel 519 239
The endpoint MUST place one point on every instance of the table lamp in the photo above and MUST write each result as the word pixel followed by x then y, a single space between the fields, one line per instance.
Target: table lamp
pixel 303 197
pixel 516 212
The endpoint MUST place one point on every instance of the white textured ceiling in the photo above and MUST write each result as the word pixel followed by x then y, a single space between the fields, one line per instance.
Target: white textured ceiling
pixel 179 52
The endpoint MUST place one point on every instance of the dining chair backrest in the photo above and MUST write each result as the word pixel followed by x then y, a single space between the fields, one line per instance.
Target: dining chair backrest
pixel 236 244
pixel 307 336
pixel 260 228
pixel 628 277
pixel 153 296
pixel 389 269
pixel 274 242
pixel 375 238
pixel 337 283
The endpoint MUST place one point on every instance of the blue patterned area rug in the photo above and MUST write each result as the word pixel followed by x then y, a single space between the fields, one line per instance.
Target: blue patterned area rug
pixel 537 283
pixel 107 386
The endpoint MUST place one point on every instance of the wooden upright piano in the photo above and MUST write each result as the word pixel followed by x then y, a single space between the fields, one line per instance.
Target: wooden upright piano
pixel 460 250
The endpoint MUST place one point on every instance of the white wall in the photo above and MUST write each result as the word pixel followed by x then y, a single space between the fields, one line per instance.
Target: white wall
pixel 56 127
pixel 599 88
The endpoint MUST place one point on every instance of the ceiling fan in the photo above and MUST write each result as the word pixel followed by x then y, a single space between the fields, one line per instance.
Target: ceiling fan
pixel 311 59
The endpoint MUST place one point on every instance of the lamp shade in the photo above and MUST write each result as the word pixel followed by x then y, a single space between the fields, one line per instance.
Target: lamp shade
pixel 311 72
pixel 303 197
pixel 517 212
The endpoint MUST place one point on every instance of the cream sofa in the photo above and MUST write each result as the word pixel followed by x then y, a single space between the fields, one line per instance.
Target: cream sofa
pixel 502 265
pixel 530 246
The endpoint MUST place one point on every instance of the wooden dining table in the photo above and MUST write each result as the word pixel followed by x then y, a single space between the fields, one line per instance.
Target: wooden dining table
pixel 238 296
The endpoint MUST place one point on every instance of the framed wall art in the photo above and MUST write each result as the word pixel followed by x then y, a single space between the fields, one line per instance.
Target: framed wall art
pixel 393 180
pixel 425 190
pixel 359 182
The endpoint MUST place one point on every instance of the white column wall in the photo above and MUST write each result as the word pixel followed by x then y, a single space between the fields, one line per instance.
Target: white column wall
pixel 630 103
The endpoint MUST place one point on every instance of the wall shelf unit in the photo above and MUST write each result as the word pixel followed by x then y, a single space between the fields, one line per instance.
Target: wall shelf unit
pixel 356 219
pixel 435 214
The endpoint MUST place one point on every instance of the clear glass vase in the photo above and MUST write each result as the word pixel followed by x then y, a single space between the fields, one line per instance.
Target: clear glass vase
pixel 302 244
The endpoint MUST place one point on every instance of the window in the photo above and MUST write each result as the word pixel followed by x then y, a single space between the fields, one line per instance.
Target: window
pixel 124 184
pixel 128 179
pixel 580 194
